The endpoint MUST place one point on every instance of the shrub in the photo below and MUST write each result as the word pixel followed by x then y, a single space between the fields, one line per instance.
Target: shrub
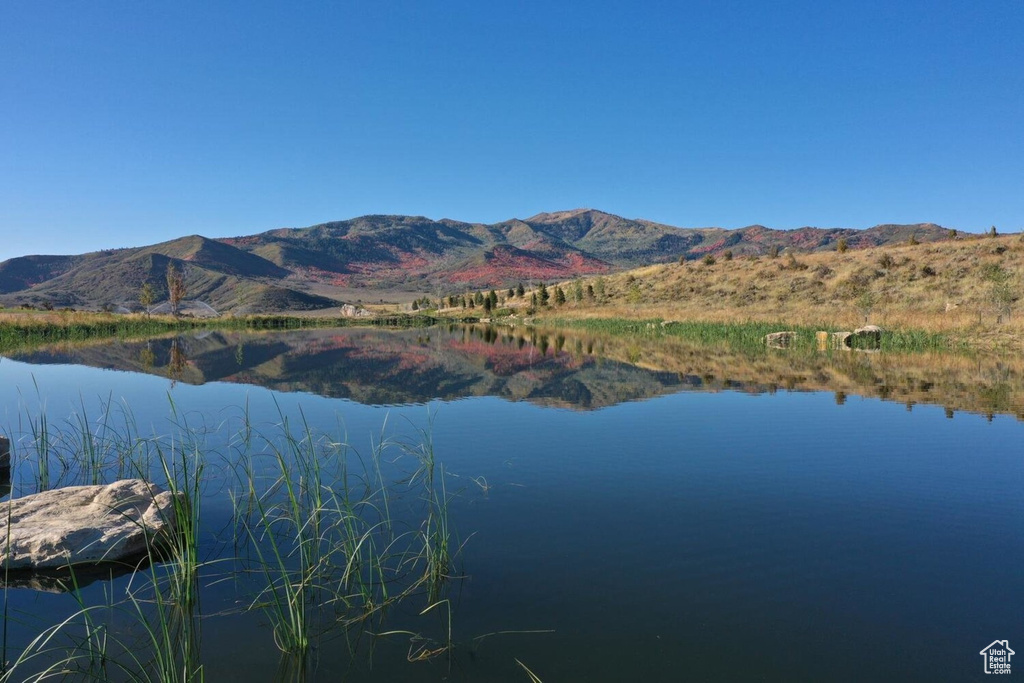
pixel 886 261
pixel 709 260
pixel 793 264
pixel 842 246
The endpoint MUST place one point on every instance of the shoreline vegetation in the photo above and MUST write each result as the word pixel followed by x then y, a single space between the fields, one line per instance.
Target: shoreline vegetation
pixel 19 331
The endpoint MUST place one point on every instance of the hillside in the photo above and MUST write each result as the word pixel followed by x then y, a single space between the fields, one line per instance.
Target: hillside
pixel 323 265
pixel 972 287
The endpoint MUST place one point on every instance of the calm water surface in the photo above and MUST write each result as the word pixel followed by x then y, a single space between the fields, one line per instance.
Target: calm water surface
pixel 619 518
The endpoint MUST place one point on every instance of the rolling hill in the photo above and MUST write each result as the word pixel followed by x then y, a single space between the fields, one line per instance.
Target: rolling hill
pixel 322 265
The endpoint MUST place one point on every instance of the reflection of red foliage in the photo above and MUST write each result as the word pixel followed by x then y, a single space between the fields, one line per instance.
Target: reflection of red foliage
pixel 401 356
pixel 508 359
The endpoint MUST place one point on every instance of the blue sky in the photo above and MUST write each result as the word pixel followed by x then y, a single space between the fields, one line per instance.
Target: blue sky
pixel 127 123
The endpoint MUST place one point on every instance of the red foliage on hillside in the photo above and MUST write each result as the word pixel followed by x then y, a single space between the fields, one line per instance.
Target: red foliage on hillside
pixel 503 264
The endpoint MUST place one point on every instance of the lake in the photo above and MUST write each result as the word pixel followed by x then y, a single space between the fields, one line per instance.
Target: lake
pixel 578 506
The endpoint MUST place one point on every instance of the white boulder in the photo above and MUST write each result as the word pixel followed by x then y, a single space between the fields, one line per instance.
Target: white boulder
pixel 84 524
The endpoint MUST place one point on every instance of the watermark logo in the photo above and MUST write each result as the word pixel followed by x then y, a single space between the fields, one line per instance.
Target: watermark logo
pixel 997 657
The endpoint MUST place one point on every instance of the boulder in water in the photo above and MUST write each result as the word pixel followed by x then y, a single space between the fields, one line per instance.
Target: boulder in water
pixel 84 525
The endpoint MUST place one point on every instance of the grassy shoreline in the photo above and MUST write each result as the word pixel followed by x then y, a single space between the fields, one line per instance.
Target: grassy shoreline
pixel 750 334
pixel 19 329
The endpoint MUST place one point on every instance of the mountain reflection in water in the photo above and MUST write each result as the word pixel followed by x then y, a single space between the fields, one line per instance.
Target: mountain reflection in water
pixel 557 368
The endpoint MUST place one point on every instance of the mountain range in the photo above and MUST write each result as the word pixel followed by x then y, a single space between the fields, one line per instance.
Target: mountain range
pixel 324 265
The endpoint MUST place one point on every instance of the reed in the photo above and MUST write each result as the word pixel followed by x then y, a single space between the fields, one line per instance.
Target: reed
pixel 316 548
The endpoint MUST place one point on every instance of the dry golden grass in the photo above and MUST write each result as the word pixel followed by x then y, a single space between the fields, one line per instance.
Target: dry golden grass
pixel 937 287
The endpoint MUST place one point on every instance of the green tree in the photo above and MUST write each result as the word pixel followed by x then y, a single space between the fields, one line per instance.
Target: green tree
pixel 176 288
pixel 599 289
pixel 511 292
pixel 577 291
pixel 559 295
pixel 493 298
pixel 543 294
pixel 146 296
pixel 520 291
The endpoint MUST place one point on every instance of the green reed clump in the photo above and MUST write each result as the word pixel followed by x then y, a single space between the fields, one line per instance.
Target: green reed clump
pixel 748 335
pixel 161 600
pixel 322 541
pixel 316 549
pixel 16 334
pixel 911 341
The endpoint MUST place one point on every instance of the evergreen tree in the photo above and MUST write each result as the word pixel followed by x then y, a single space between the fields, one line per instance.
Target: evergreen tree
pixel 559 296
pixel 543 295
pixel 519 289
